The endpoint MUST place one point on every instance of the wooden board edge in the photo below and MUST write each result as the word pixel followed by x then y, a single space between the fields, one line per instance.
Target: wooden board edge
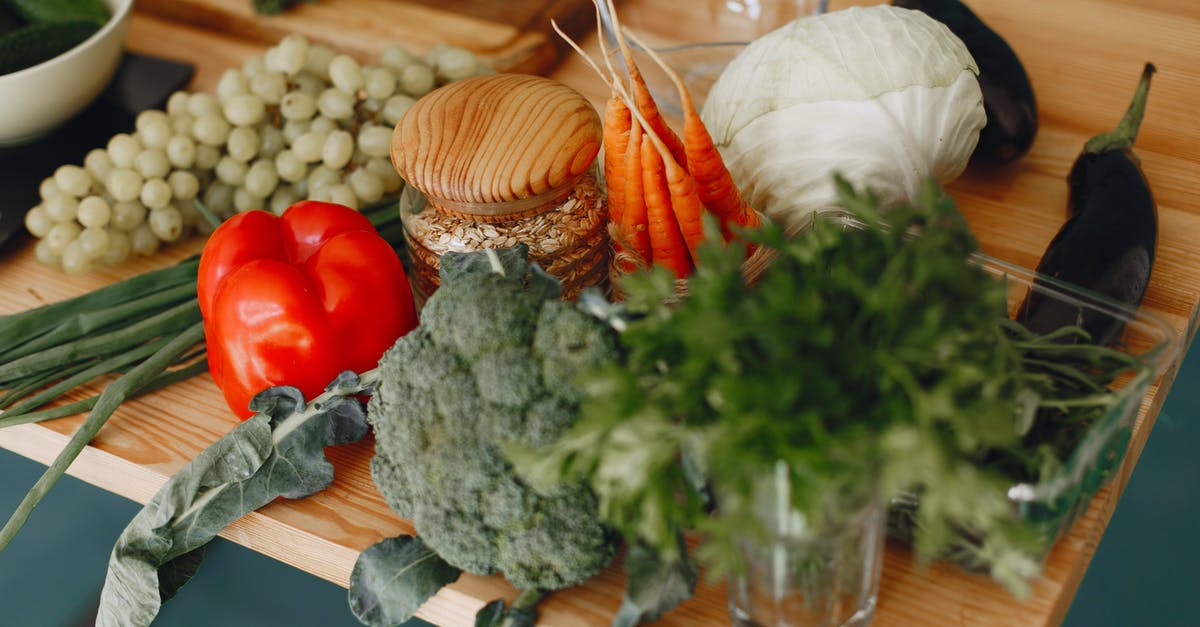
pixel 529 49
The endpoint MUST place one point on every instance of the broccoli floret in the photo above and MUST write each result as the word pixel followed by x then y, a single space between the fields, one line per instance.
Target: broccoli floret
pixel 492 363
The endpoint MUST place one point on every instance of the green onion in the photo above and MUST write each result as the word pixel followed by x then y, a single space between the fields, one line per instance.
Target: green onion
pixel 112 397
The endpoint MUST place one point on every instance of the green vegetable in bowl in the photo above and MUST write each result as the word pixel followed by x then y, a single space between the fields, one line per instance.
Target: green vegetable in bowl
pixel 34 31
pixel 32 44
pixel 492 363
pixel 58 10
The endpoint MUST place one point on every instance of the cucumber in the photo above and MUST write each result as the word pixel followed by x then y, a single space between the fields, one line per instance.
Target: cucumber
pixel 59 10
pixel 29 45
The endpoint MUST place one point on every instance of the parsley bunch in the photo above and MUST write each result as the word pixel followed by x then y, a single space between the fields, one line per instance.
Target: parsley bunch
pixel 865 361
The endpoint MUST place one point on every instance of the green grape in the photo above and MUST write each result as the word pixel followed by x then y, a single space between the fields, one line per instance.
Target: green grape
pixel 118 248
pixel 165 223
pixel 143 241
pixel 61 234
pixel 379 83
pixel 156 193
pixel 37 222
pixel 184 185
pixel 245 109
pixel 73 180
pixel 123 149
pixel 93 242
pixel 75 260
pixel 243 143
pixel 181 151
pixel 127 216
pixel 346 74
pixel 231 172
pixel 152 163
pixel 261 178
pixel 97 163
pixel 46 255
pixel 61 208
pixel 124 184
pixel 94 212
pixel 337 150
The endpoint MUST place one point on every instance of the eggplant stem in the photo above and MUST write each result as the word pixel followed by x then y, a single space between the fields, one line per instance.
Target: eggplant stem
pixel 1123 136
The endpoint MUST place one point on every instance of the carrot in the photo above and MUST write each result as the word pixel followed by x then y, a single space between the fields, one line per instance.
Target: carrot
pixel 641 93
pixel 615 134
pixel 715 185
pixel 617 123
pixel 685 202
pixel 666 242
pixel 633 224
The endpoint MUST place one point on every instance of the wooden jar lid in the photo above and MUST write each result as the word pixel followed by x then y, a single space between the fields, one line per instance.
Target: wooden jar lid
pixel 499 145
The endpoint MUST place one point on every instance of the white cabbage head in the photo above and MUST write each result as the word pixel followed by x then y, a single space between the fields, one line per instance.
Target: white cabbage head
pixel 885 96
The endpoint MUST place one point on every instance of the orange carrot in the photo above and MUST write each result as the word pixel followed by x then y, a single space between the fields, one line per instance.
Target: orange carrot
pixel 666 242
pixel 615 134
pixel 633 225
pixel 685 202
pixel 641 93
pixel 714 183
pixel 617 123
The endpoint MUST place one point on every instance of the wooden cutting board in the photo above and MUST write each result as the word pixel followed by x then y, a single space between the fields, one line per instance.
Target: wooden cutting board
pixel 513 35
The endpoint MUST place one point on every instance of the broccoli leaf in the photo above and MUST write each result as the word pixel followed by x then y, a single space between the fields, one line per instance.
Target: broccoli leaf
pixel 175 573
pixel 522 612
pixel 393 577
pixel 654 586
pixel 277 452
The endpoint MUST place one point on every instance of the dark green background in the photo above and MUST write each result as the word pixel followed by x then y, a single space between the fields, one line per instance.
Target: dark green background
pixel 1143 572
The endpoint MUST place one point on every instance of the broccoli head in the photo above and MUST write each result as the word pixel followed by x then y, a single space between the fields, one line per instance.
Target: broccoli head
pixel 492 362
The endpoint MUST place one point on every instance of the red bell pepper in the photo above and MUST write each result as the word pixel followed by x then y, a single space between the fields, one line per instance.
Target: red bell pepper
pixel 298 298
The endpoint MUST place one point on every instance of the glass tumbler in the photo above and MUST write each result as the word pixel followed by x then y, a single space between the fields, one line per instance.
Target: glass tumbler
pixel 697 38
pixel 808 573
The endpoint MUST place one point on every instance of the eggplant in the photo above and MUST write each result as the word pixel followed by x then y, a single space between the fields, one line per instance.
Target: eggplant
pixel 1107 243
pixel 1008 100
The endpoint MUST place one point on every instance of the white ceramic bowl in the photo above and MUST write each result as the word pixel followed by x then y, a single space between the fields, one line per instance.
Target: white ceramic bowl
pixel 37 99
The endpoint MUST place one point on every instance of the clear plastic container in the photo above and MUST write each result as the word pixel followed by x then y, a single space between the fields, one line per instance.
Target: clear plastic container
pixel 1052 504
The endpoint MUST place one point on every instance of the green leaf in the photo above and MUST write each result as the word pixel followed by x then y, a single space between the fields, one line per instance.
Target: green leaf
pixel 654 586
pixel 277 452
pixel 522 612
pixel 175 573
pixel 59 10
pixel 392 578
pixel 491 614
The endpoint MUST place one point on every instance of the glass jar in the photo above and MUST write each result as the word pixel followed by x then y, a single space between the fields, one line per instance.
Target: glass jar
pixel 569 240
pixel 502 160
pixel 810 573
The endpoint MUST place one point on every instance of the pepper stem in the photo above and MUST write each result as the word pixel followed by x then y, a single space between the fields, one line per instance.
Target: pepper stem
pixel 1122 137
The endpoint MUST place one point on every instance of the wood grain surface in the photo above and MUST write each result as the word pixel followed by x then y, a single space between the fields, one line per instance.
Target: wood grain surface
pixel 512 35
pixel 1083 57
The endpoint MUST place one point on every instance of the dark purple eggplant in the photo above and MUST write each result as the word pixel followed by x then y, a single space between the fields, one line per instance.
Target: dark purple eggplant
pixel 1008 99
pixel 1107 243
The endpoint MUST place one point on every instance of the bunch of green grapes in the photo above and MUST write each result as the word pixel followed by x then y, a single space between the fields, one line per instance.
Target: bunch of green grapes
pixel 299 122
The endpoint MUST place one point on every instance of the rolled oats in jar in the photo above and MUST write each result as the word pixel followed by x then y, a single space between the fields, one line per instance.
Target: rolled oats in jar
pixel 502 160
